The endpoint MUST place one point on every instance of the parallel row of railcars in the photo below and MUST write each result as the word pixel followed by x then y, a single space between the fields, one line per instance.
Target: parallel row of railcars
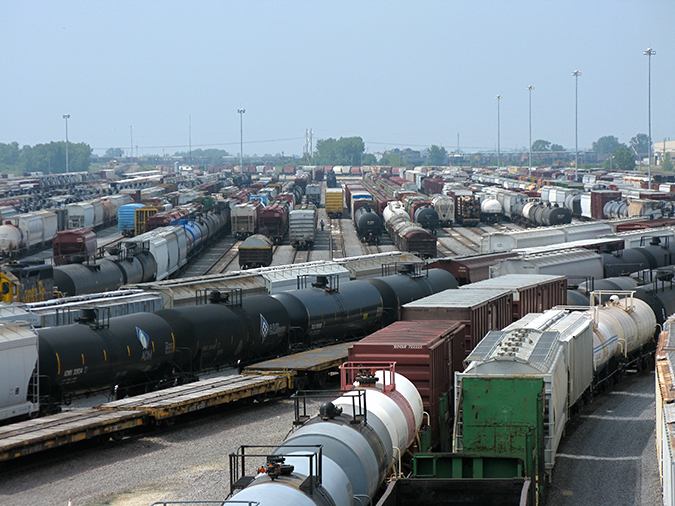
pixel 228 330
pixel 23 233
pixel 512 401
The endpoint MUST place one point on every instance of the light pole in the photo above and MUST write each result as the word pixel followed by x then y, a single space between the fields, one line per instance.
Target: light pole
pixel 241 138
pixel 131 133
pixel 499 152
pixel 66 116
pixel 530 88
pixel 650 53
pixel 576 75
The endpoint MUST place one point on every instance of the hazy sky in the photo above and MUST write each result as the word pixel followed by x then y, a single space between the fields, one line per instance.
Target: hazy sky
pixel 397 73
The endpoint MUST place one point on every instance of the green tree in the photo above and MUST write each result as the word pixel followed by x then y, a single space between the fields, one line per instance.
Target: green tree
pixel 640 143
pixel 114 152
pixel 203 153
pixel 606 145
pixel 369 159
pixel 667 163
pixel 437 155
pixel 394 159
pixel 621 159
pixel 345 151
pixel 541 145
pixel 557 147
pixel 9 153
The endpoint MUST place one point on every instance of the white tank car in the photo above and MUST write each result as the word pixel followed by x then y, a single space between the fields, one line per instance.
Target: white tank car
pixel 12 239
pixel 490 208
pixel 621 326
pixel 393 210
pixel 353 458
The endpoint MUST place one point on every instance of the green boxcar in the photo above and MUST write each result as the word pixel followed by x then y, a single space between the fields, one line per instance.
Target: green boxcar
pixel 504 417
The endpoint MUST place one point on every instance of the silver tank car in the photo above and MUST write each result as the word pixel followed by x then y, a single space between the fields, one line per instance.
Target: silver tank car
pixel 342 456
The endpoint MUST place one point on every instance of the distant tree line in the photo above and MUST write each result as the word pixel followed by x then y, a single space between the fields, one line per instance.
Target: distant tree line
pixel 615 155
pixel 351 151
pixel 46 158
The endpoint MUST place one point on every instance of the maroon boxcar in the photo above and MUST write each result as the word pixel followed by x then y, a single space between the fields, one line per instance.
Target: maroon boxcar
pixel 532 293
pixel 472 268
pixel 599 199
pixel 422 354
pixel 481 311
pixel 76 245
pixel 273 220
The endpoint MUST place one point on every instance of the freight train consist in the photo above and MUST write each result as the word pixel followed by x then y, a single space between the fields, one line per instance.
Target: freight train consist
pixel 173 344
pixel 155 255
pixel 513 401
pixel 23 233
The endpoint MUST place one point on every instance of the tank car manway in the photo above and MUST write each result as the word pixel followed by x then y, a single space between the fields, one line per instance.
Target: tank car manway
pixel 116 418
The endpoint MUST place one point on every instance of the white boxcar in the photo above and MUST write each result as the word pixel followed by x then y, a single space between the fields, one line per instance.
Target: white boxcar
pixel 302 226
pixel 313 192
pixel 445 207
pixel 99 214
pixel 80 215
pixel 176 244
pixel 507 241
pixel 582 231
pixel 38 227
pixel 161 250
pixel 539 345
pixel 586 211
pixel 577 264
pixel 245 219
pixel 18 356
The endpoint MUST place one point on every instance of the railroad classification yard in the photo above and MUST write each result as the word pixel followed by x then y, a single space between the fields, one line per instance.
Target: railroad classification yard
pixel 337 336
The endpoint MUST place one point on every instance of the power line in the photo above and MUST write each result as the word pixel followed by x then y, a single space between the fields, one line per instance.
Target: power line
pixel 178 146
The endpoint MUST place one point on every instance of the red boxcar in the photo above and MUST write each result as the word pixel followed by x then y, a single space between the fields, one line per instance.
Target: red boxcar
pixel 422 354
pixel 481 311
pixel 273 220
pixel 74 246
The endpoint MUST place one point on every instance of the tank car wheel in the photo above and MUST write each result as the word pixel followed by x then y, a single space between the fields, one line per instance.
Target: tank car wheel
pixel 320 379
pixel 301 382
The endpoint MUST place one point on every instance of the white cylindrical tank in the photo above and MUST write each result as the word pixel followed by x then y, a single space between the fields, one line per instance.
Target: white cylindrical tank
pixel 393 210
pixel 11 238
pixel 622 326
pixel 490 206
pixel 527 210
pixel 355 457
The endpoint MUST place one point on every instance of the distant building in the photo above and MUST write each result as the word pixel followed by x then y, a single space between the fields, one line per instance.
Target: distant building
pixel 661 148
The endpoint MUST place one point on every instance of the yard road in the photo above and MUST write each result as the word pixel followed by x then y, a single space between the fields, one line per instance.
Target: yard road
pixel 608 455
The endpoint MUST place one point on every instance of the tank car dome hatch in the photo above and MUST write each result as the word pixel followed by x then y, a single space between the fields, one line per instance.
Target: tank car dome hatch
pixel 328 410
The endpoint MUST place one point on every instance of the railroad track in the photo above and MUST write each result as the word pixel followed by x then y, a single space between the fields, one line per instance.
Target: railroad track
pixel 371 249
pixel 301 256
pixel 337 240
pixel 224 259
